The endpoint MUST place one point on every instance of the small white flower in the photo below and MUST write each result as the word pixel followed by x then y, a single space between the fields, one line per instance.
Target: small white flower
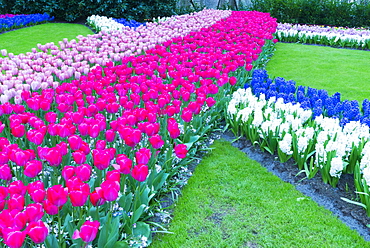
pixel 336 167
pixel 285 145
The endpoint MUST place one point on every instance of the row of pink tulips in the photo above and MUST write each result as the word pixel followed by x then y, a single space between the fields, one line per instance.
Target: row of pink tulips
pixel 47 65
pixel 80 162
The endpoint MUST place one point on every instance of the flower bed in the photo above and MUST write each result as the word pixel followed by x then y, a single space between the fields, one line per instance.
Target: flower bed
pixel 329 36
pixel 99 23
pixel 84 162
pixel 9 22
pixel 319 132
pixel 49 64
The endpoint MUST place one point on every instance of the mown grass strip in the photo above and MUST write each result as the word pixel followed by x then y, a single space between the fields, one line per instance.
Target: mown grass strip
pixel 23 40
pixel 336 70
pixel 232 201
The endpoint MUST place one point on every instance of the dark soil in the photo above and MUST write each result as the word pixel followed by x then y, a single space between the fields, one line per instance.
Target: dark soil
pixel 325 195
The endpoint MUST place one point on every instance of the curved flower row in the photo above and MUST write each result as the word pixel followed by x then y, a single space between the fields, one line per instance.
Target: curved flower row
pixel 46 68
pixel 81 163
pixel 330 36
pixel 284 119
pixel 9 22
pixel 99 23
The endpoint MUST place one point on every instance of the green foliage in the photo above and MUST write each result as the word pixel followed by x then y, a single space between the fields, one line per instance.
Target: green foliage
pixel 323 12
pixel 71 10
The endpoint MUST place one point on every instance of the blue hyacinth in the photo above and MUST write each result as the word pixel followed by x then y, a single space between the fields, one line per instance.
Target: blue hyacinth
pixel 310 98
pixel 129 23
pixel 23 20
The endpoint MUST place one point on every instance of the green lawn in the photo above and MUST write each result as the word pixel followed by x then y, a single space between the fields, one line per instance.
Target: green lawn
pixel 232 201
pixel 336 70
pixel 23 40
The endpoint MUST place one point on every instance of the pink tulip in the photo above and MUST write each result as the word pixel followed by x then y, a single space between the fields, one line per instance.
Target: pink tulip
pixel 17 188
pixel 53 157
pixel 18 131
pixel 143 156
pixel 57 195
pixel 88 231
pixel 181 150
pixel 68 172
pixel 37 191
pixel 33 168
pixel 5 172
pixel 50 208
pixel 13 238
pixel 96 198
pixel 37 231
pixel 74 142
pixel 140 172
pixel 124 164
pixel 101 159
pixel 109 190
pixel 156 141
pixel 83 172
pixel 34 212
pixel 16 201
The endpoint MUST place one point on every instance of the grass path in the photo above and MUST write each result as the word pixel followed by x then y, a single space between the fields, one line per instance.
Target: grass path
pixel 23 40
pixel 336 70
pixel 232 201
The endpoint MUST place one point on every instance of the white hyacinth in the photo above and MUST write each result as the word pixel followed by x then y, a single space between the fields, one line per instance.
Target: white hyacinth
pixel 366 174
pixel 285 144
pixel 336 166
pixel 365 160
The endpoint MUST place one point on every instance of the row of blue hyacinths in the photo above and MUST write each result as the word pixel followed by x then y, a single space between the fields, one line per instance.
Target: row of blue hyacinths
pixel 310 98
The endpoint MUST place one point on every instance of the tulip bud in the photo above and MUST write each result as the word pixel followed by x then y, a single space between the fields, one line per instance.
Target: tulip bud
pixel 33 168
pixel 181 150
pixel 57 195
pixel 88 231
pixel 140 172
pixel 37 231
pixel 13 238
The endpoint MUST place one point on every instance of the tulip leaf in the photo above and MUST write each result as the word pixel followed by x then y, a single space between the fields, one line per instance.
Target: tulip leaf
pixel 68 225
pixel 113 234
pixel 51 241
pixel 138 212
pixel 191 141
pixel 93 212
pixel 103 235
pixel 143 230
pixel 354 202
pixel 121 244
pixel 159 180
pixel 142 196
pixel 125 202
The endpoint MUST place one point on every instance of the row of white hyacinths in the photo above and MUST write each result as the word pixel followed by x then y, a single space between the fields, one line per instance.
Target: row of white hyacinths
pixel 104 23
pixel 319 144
pixel 329 36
